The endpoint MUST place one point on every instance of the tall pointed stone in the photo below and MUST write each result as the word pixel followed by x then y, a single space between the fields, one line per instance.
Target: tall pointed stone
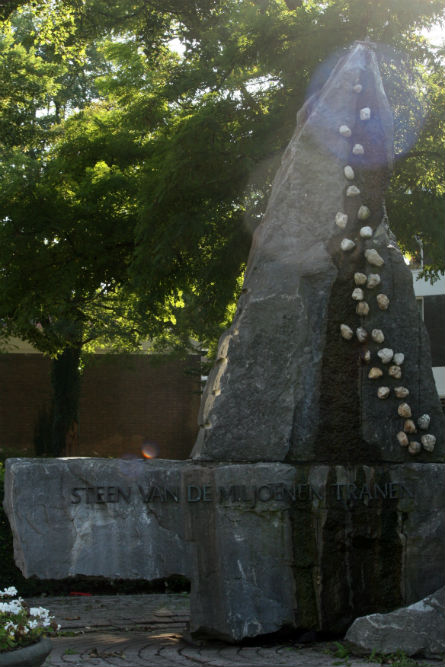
pixel 325 374
pixel 288 384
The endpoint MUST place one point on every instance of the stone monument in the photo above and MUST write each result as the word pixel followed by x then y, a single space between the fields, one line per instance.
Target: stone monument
pixel 315 490
pixel 326 370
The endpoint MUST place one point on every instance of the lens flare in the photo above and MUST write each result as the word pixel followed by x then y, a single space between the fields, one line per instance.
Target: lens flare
pixel 406 93
pixel 149 450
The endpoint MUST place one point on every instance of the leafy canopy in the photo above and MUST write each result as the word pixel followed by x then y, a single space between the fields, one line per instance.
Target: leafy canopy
pixel 151 167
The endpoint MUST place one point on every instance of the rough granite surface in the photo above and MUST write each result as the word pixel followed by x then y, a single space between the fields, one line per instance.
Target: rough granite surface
pixel 286 386
pixel 242 577
pixel 56 536
pixel 266 546
pixel 416 630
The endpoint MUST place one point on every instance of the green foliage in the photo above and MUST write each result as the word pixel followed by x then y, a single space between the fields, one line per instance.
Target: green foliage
pixel 397 659
pixel 417 195
pixel 150 170
pixel 341 653
pixel 27 84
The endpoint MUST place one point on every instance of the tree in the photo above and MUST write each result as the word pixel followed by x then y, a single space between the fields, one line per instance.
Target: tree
pixel 417 195
pixel 145 200
pixel 68 204
pixel 245 71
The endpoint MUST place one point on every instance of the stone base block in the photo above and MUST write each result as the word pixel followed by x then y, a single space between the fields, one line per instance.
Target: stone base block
pixel 242 579
pixel 114 518
pixel 267 546
pixel 311 546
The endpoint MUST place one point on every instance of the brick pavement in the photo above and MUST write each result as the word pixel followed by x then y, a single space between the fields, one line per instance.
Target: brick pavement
pixel 151 631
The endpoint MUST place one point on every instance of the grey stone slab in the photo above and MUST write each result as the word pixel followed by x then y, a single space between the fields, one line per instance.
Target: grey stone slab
pixel 368 539
pixel 327 543
pixel 88 517
pixel 242 576
pixel 267 546
pixel 418 629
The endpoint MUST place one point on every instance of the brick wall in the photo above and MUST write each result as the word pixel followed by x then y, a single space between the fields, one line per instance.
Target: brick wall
pixel 24 390
pixel 126 400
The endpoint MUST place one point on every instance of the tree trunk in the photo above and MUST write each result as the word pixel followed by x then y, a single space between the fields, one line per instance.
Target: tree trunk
pixel 65 381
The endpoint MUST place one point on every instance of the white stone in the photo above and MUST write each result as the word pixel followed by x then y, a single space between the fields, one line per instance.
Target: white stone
pixel 341 220
pixel 358 294
pixel 377 335
pixel 358 149
pixel 428 442
pixel 365 113
pixel 366 232
pixel 357 88
pixel 363 213
pixel 352 191
pixel 345 131
pixel 395 372
pixel 399 358
pixel 409 426
pixel 403 439
pixel 349 172
pixel 346 331
pixel 424 421
pixel 360 278
pixel 385 354
pixel 401 392
pixel 382 301
pixel 404 410
pixel 362 308
pixel 375 373
pixel 347 245
pixel 383 392
pixel 414 447
pixel 373 280
pixel 373 257
pixel 362 334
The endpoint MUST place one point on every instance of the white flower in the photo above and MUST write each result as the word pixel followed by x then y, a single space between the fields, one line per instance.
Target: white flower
pixel 8 592
pixel 17 620
pixel 13 607
pixel 39 611
pixel 11 626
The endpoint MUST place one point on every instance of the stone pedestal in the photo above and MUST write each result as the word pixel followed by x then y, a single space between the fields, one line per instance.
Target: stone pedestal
pixel 114 518
pixel 311 546
pixel 242 579
pixel 267 546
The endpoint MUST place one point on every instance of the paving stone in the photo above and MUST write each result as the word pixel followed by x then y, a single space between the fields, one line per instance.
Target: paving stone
pixel 161 645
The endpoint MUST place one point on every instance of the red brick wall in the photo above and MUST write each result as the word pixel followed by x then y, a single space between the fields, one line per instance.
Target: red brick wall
pixel 125 401
pixel 24 390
